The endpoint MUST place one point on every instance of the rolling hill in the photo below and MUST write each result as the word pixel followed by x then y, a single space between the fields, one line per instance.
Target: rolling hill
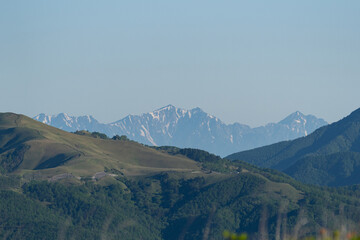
pixel 28 145
pixel 329 156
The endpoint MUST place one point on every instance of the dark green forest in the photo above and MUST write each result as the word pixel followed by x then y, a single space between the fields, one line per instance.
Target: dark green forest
pixel 168 206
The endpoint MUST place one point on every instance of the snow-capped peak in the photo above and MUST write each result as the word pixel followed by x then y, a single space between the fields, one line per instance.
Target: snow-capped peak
pixel 193 128
pixel 296 117
pixel 196 110
pixel 166 108
pixel 42 117
pixel 66 122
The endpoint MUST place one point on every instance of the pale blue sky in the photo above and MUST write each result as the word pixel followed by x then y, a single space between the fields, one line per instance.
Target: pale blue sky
pixel 252 62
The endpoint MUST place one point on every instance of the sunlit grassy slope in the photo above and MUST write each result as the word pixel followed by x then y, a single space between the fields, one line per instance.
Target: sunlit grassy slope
pixel 26 144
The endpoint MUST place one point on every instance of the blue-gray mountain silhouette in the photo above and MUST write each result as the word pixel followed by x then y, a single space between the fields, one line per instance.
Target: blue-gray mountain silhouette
pixel 191 128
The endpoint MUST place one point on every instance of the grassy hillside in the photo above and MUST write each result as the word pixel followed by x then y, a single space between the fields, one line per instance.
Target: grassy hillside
pixel 329 156
pixel 26 144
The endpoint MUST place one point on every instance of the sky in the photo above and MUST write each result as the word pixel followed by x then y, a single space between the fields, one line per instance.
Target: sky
pixel 252 62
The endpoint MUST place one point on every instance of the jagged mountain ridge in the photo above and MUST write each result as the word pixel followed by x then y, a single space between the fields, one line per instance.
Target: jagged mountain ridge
pixel 191 128
pixel 69 123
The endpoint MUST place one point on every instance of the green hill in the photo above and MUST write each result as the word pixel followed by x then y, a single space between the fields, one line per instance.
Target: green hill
pixel 59 185
pixel 329 156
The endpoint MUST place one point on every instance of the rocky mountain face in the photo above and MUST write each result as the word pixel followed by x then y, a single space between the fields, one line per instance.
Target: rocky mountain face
pixel 71 124
pixel 191 128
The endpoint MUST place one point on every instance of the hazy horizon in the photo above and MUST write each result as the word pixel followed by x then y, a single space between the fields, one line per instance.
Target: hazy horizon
pixel 248 62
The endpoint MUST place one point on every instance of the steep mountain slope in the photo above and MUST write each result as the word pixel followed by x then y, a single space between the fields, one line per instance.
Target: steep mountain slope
pixel 193 128
pixel 26 144
pixel 329 156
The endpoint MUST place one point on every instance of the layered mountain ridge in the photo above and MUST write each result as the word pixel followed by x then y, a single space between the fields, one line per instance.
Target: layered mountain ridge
pixel 328 156
pixel 191 128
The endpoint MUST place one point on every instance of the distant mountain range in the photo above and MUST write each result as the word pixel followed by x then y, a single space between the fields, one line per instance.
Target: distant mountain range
pixel 172 126
pixel 329 156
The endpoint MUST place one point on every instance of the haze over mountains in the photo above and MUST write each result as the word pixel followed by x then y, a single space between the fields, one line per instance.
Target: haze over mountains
pixel 172 126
